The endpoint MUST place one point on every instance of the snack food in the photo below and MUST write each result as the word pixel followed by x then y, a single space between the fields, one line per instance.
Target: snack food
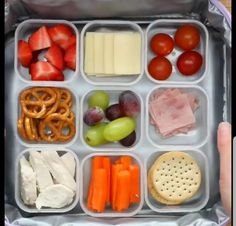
pixel 121 115
pixel 112 53
pixel 60 43
pixel 46 115
pixel 113 184
pixel 46 180
pixel 172 111
pixel 174 178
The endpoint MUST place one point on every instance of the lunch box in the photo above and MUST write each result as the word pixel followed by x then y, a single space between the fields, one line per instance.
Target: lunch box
pixel 211 86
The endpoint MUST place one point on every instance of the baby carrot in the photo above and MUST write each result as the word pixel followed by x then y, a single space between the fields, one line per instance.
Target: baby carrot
pixel 107 166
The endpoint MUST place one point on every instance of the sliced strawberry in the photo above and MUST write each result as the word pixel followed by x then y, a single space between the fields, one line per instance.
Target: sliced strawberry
pixel 55 56
pixel 70 57
pixel 24 53
pixel 40 39
pixel 44 71
pixel 60 34
pixel 65 44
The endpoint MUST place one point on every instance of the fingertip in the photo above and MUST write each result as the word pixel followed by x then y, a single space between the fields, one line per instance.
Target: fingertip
pixel 224 135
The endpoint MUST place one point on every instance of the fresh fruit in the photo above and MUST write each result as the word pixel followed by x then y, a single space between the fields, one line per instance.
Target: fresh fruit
pixel 93 116
pixel 129 140
pixel 162 44
pixel 113 112
pixel 160 68
pixel 187 37
pixel 70 57
pixel 65 44
pixel 60 34
pixel 44 71
pixel 189 62
pixel 55 56
pixel 95 135
pixel 40 39
pixel 100 99
pixel 119 129
pixel 129 103
pixel 24 53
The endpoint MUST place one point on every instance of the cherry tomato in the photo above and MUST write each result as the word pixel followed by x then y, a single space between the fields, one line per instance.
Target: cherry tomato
pixel 162 44
pixel 189 62
pixel 160 68
pixel 187 37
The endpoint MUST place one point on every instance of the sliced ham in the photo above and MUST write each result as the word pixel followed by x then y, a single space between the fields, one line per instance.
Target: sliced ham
pixel 172 111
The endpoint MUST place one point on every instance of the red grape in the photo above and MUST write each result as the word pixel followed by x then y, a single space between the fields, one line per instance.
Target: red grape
pixel 93 116
pixel 129 103
pixel 129 140
pixel 113 112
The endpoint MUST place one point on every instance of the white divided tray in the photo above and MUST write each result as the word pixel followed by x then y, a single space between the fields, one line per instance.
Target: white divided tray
pixel 148 141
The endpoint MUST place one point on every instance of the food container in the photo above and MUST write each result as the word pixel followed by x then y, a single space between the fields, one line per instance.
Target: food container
pixel 217 84
pixel 23 31
pixel 194 138
pixel 111 26
pixel 197 202
pixel 33 209
pixel 114 98
pixel 169 26
pixel 75 109
pixel 85 177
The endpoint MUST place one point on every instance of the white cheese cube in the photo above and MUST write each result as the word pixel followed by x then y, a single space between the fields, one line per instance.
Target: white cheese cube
pixel 89 53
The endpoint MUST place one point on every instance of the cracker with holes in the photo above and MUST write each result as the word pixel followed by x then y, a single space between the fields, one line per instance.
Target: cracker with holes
pixel 155 194
pixel 176 176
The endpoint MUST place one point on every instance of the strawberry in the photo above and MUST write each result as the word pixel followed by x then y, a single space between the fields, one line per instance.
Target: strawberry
pixel 65 44
pixel 70 57
pixel 55 56
pixel 24 53
pixel 44 71
pixel 60 34
pixel 40 39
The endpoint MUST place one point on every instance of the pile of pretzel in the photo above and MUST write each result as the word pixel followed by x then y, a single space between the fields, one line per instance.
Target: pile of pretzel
pixel 46 115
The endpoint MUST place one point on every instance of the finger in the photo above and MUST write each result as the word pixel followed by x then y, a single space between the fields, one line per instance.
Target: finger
pixel 224 147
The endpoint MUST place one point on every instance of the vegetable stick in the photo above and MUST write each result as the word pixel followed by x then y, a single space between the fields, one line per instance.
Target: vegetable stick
pixel 99 190
pixel 123 190
pixel 126 161
pixel 135 183
pixel 107 167
pixel 114 170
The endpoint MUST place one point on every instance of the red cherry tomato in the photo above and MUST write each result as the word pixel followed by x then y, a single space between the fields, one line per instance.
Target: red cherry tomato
pixel 187 37
pixel 160 68
pixel 189 62
pixel 162 44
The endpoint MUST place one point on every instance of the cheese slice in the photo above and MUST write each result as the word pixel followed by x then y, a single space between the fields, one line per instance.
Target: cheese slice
pixel 89 53
pixel 98 53
pixel 108 53
pixel 43 175
pixel 127 53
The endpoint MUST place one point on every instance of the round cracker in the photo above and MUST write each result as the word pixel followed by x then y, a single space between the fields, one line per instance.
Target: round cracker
pixel 176 176
pixel 155 194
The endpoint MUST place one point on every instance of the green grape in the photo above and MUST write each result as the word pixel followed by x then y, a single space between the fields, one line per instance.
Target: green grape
pixel 99 99
pixel 119 128
pixel 94 135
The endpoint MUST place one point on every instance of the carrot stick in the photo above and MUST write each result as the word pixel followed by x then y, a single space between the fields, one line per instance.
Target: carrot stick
pixel 135 183
pixel 123 190
pixel 115 169
pixel 96 164
pixel 107 166
pixel 126 161
pixel 99 190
